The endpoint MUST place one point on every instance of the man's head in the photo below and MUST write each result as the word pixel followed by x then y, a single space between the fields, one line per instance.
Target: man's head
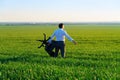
pixel 61 25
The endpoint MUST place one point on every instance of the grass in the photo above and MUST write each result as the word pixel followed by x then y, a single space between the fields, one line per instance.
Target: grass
pixel 95 57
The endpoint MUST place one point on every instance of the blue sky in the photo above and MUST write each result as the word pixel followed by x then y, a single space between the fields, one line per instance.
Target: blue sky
pixel 59 10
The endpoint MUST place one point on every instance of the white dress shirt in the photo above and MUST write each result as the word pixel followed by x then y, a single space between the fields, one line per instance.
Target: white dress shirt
pixel 60 35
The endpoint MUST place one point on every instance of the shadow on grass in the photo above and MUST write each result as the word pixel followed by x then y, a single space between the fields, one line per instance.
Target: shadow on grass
pixel 98 57
pixel 37 57
pixel 22 58
pixel 87 61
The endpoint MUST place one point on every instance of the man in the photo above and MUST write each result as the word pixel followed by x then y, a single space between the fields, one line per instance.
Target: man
pixel 60 35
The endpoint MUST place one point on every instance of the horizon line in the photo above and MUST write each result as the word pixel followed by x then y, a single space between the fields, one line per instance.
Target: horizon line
pixel 62 22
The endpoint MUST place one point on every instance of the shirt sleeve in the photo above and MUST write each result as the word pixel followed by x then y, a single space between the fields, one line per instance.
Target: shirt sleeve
pixel 52 36
pixel 68 37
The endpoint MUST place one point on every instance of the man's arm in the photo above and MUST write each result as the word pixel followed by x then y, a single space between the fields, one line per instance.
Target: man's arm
pixel 70 38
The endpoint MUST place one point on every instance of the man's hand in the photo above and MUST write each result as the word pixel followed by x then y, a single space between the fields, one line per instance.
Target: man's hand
pixel 74 42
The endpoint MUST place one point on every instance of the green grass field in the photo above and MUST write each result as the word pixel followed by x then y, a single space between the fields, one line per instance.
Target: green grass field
pixel 95 57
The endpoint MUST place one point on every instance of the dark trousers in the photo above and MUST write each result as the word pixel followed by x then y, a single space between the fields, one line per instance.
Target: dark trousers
pixel 60 45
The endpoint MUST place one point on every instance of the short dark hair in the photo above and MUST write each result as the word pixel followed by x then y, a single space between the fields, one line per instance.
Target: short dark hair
pixel 60 25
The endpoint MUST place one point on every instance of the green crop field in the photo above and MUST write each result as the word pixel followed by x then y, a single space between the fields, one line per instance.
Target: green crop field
pixel 95 57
